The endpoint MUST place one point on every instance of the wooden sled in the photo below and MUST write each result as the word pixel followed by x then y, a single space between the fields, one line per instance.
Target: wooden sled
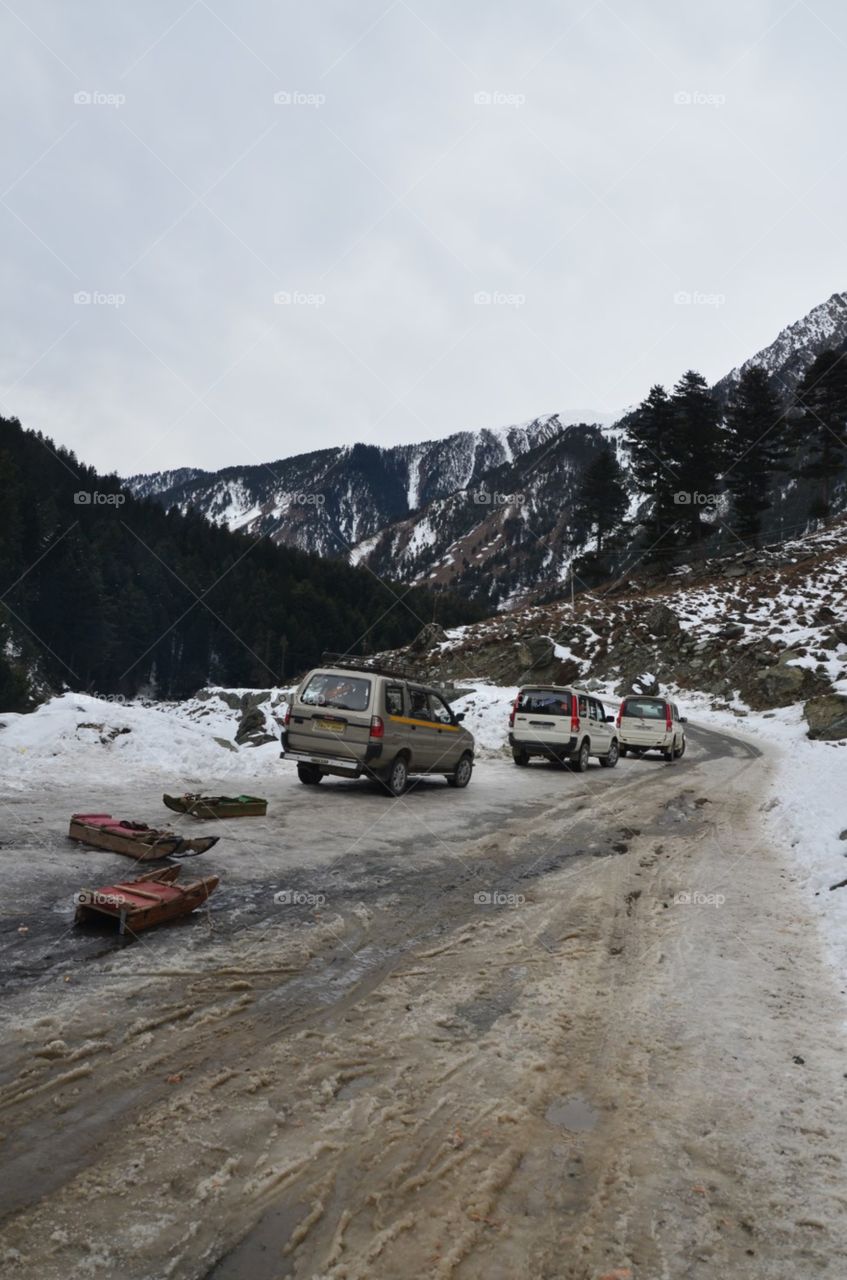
pixel 217 806
pixel 134 839
pixel 139 904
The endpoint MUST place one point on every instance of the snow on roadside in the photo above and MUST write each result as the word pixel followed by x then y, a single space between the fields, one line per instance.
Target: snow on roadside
pixel 807 808
pixel 486 712
pixel 76 736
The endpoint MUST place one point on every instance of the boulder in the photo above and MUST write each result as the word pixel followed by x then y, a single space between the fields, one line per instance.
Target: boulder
pixel 536 653
pixel 428 637
pixel 781 684
pixel 227 697
pixel 252 722
pixel 648 685
pixel 732 631
pixel 253 698
pixel 662 621
pixel 827 716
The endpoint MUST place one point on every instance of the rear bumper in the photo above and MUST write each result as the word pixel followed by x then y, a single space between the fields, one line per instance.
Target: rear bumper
pixel 348 766
pixel 661 742
pixel 551 750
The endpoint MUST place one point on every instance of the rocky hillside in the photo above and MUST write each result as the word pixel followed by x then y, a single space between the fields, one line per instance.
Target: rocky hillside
pixel 756 631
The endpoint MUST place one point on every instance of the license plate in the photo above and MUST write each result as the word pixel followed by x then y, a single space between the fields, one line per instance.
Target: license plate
pixel 331 726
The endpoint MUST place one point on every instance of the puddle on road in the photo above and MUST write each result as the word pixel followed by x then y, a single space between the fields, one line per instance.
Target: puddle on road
pixel 574 1113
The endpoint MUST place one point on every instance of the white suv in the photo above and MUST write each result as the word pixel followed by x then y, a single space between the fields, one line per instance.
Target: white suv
pixel 561 724
pixel 651 724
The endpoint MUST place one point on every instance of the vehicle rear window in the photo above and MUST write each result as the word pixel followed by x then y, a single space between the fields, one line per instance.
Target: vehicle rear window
pixel 544 702
pixel 646 708
pixel 345 693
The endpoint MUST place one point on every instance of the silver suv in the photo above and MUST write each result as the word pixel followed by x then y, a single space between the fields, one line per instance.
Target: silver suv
pixel 352 721
pixel 562 724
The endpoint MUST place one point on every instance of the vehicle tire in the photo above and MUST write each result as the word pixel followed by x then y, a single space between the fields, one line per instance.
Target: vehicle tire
pixel 309 774
pixel 397 778
pixel 670 756
pixel 521 758
pixel 579 762
pixel 462 776
pixel 681 750
pixel 611 759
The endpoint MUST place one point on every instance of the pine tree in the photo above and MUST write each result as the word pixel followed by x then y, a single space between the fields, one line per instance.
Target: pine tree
pixel 602 498
pixel 755 447
pixel 650 434
pixel 822 424
pixel 697 450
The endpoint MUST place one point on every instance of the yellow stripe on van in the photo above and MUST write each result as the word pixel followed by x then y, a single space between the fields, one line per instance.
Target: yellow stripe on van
pixel 425 724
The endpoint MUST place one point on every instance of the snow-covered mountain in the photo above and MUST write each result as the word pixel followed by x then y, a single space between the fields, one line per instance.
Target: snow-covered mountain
pixel 488 511
pixel 434 511
pixel 796 346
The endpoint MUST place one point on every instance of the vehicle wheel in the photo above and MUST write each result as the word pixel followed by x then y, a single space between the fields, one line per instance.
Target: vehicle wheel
pixel 462 776
pixel 310 774
pixel 609 761
pixel 680 750
pixel 521 758
pixel 398 776
pixel 670 756
pixel 579 762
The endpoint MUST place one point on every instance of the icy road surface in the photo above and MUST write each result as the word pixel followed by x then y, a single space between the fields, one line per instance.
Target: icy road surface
pixel 553 1026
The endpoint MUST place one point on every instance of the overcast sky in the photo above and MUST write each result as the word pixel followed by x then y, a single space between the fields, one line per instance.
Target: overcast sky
pixel 305 224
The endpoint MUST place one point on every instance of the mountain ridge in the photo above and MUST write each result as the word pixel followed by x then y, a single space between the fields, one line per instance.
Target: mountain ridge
pixel 491 512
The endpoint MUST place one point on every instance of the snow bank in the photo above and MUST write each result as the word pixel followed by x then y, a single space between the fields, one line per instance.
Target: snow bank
pixel 487 716
pixel 807 807
pixel 76 736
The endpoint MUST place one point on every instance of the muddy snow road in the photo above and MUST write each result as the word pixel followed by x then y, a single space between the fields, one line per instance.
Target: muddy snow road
pixel 553 1026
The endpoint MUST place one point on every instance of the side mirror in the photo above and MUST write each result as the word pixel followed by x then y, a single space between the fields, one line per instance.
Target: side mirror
pixel 459 717
pixel 610 719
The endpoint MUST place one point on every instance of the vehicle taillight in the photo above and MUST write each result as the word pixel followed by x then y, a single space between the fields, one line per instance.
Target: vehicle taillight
pixel 574 715
pixel 668 717
pixel 512 712
pixel 377 727
pixel 286 719
pixel 620 715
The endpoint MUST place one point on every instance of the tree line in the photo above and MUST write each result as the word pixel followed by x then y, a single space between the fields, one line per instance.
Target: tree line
pixel 107 593
pixel 693 454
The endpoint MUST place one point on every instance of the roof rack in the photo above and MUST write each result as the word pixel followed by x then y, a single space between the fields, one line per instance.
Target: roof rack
pixel 372 667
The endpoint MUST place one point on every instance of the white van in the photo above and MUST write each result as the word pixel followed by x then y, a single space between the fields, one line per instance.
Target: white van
pixel 561 724
pixel 651 724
